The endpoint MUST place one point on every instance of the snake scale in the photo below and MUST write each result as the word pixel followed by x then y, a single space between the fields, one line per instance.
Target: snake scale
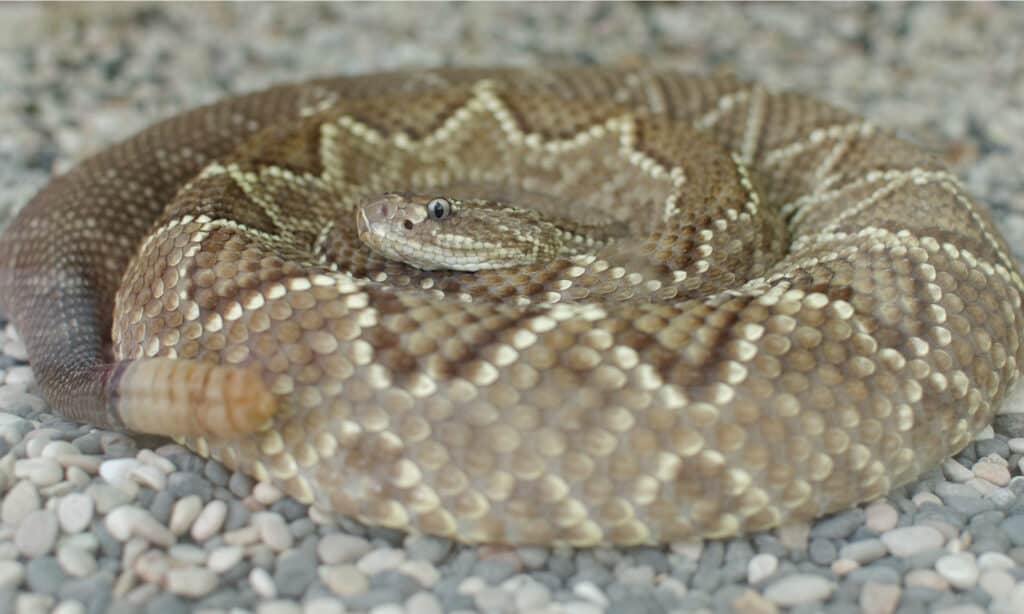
pixel 798 311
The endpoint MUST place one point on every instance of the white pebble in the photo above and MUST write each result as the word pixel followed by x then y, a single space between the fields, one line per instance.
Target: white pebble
pixel 799 588
pixel 57 449
pixel 37 533
pixel 152 566
pixel 41 471
pixel 761 566
pixel 341 548
pixel 380 560
pixel 959 569
pixel 1016 444
pixel 191 581
pixel 995 560
pixel 151 458
pixel 75 512
pixel 589 591
pixel 210 520
pixel 262 583
pixel 224 558
pixel 127 521
pixel 327 605
pixel 118 473
pixel 21 500
pixel 69 607
pixel 75 561
pixel 11 574
pixel 907 541
pixel 996 582
pixel 421 571
pixel 266 493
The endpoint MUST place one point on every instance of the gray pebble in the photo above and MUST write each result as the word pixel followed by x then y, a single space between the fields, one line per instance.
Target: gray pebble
pixel 240 484
pixel 167 603
pixel 44 575
pixel 1014 528
pixel 184 483
pixel 397 581
pixel 429 548
pixel 290 509
pixel 493 571
pixel 217 473
pixel 161 506
pixel 238 516
pixel 372 598
pixel 295 570
pixel 992 446
pixel 968 505
pixel 88 444
pixel 839 526
pixel 599 576
pixel 822 551
pixel 874 573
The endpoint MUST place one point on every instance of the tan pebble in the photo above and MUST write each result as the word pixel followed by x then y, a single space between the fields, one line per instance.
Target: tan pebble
pixel 881 517
pixel 86 462
pixel 691 549
pixel 75 512
pixel 184 513
pixel 753 603
pixel 242 537
pixel 210 520
pixel 273 530
pixel 149 477
pixel 794 536
pixel 153 459
pixel 152 566
pixel 127 521
pixel 224 558
pixel 841 567
pixel 266 493
pixel 761 566
pixel 926 497
pixel 992 472
pixel 959 569
pixel 878 598
pixel 262 583
pixel 907 541
pixel 343 580
pixel 191 581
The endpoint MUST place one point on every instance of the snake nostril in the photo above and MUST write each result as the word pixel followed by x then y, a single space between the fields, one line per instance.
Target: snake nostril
pixel 407 224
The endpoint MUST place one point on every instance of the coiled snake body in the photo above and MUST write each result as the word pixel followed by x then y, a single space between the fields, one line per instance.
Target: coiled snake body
pixel 792 311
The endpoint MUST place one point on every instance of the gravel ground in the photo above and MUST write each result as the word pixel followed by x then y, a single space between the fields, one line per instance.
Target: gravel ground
pixel 94 521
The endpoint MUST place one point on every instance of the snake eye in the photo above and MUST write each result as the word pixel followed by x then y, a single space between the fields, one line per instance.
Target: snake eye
pixel 439 208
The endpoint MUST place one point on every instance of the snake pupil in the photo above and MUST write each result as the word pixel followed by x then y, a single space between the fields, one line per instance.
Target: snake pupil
pixel 407 224
pixel 439 208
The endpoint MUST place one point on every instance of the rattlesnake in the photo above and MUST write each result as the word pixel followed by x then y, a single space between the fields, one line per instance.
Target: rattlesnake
pixel 794 311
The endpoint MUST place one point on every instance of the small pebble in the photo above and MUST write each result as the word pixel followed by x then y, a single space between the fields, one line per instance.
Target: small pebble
pixel 878 598
pixel 262 583
pixel 191 582
pixel 881 517
pixel 342 548
pixel 960 569
pixel 184 513
pixel 760 567
pixel 75 512
pixel 224 558
pixel 273 530
pixel 343 580
pixel 209 521
pixel 908 541
pixel 799 589
pixel 37 533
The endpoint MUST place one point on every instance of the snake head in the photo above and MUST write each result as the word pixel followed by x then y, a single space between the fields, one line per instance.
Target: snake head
pixel 433 232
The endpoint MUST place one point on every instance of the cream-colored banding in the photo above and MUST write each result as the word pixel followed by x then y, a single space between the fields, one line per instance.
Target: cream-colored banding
pixel 164 396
